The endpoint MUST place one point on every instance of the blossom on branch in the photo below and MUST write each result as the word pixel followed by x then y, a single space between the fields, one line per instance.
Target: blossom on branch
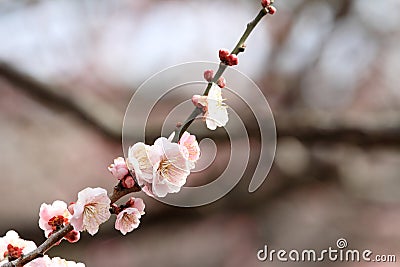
pixel 91 210
pixel 12 247
pixel 215 110
pixel 55 216
pixel 163 167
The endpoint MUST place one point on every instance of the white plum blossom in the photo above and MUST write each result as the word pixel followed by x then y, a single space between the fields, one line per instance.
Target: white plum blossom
pixel 91 210
pixel 216 114
pixel 46 261
pixel 12 238
pixel 215 110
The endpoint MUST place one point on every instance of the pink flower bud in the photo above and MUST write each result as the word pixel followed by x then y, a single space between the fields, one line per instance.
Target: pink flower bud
pixel 221 82
pixel 199 101
pixel 272 10
pixel 223 55
pixel 195 100
pixel 232 60
pixel 265 3
pixel 208 75
pixel 128 182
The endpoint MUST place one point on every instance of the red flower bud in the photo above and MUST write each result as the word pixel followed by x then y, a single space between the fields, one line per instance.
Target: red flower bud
pixel 265 3
pixel 272 10
pixel 223 55
pixel 232 60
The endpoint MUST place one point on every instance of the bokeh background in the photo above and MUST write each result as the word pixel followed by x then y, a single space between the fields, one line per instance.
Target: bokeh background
pixel 329 69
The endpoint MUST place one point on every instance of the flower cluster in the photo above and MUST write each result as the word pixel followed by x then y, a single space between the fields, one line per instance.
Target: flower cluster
pixel 227 58
pixel 163 167
pixel 12 247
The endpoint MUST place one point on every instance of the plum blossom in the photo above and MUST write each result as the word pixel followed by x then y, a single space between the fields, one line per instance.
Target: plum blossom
pixel 161 168
pixel 46 261
pixel 118 169
pixel 217 114
pixel 12 246
pixel 129 218
pixel 53 217
pixel 189 141
pixel 215 109
pixel 91 210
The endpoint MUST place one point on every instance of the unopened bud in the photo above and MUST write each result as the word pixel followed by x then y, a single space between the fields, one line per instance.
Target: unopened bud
pixel 232 60
pixel 199 101
pixel 272 10
pixel 195 100
pixel 265 3
pixel 221 82
pixel 223 55
pixel 72 236
pixel 208 75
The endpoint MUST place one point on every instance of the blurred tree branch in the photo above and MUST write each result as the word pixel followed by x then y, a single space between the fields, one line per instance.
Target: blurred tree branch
pixel 91 110
pixel 308 127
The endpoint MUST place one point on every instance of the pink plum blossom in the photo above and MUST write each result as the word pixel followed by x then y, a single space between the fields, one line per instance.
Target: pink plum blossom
pixel 128 220
pixel 118 169
pixel 91 210
pixel 12 239
pixel 164 166
pixel 189 141
pixel 55 216
pixel 136 203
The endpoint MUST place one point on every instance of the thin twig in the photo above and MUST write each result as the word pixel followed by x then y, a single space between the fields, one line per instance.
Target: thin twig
pixel 240 47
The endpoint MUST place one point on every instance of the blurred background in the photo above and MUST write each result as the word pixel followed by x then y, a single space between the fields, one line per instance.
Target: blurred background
pixel 329 69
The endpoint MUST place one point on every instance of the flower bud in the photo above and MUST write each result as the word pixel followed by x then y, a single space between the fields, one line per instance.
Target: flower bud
pixel 265 3
pixel 128 182
pixel 208 75
pixel 232 60
pixel 221 82
pixel 223 55
pixel 272 10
